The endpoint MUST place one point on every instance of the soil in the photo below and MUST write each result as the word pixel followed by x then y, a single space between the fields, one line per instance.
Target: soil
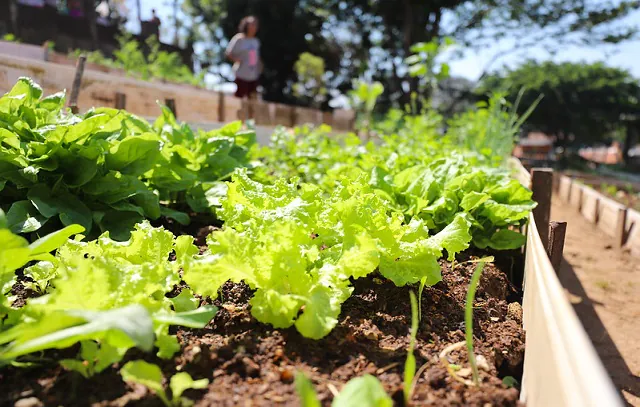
pixel 603 283
pixel 252 364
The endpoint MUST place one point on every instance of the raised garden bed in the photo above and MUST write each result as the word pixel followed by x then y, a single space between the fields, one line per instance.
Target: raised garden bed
pixel 249 362
pixel 307 278
pixel 611 216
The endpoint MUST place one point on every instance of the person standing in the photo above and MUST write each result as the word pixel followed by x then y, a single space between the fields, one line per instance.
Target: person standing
pixel 244 51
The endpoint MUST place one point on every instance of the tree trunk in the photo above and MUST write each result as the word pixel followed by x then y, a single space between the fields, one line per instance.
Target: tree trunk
pixel 407 41
pixel 138 9
pixel 630 138
pixel 13 10
pixel 90 12
pixel 176 38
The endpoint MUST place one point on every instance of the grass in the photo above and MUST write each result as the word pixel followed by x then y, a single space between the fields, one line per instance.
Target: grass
pixel 604 285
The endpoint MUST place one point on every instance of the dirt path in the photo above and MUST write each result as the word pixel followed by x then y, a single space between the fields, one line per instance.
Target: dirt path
pixel 604 283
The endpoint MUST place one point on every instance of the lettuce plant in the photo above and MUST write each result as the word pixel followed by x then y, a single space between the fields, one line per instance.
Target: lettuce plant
pixel 109 292
pixel 299 251
pixel 106 170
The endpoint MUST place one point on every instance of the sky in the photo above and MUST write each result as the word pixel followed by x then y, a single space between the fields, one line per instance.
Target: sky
pixel 625 55
pixel 472 64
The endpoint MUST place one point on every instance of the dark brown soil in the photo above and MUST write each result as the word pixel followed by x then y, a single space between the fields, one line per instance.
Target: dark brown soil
pixel 252 364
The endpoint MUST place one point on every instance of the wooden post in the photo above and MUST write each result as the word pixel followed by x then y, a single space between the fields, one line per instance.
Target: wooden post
pixel 294 116
pixel 621 231
pixel 580 195
pixel 555 245
pixel 171 104
pixel 221 117
pixel 77 82
pixel 596 210
pixel 569 190
pixel 541 180
pixel 121 101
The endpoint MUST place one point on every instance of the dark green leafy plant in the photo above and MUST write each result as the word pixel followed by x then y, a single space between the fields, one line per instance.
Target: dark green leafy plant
pixel 60 169
pixel 192 164
pixel 106 170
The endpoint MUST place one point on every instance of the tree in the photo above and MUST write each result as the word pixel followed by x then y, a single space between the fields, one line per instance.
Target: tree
pixel 310 84
pixel 287 28
pixel 371 39
pixel 582 103
pixel 90 13
pixel 382 32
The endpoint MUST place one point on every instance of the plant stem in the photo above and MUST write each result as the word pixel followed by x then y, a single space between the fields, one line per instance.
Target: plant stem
pixel 410 363
pixel 468 320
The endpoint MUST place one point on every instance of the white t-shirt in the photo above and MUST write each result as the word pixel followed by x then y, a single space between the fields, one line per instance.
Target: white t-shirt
pixel 247 50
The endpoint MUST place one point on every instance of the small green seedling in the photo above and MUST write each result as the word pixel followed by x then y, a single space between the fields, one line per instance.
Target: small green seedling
pixel 306 392
pixel 150 375
pixel 510 381
pixel 468 320
pixel 94 358
pixel 410 363
pixel 364 391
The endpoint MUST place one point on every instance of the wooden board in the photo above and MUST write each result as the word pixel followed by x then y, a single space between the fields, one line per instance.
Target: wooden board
pixel 589 201
pixel 561 367
pixel 632 228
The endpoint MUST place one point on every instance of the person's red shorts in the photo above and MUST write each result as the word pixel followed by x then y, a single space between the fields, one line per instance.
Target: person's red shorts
pixel 245 88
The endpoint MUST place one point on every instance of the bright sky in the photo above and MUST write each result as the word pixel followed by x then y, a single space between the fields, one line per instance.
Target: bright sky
pixel 626 56
pixel 471 66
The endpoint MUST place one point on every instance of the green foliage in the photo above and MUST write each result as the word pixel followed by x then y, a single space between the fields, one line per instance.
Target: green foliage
pixel 310 84
pixel 372 39
pixel 94 358
pixel 363 99
pixel 146 374
pixel 10 38
pixel 154 64
pixel 453 182
pixel 422 64
pixel 192 165
pixel 490 129
pixel 298 251
pixel 150 375
pixel 61 169
pixel 106 170
pixel 306 392
pixel 365 391
pixel 119 328
pixel 109 292
pixel 16 252
pixel 313 215
pixel 582 104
